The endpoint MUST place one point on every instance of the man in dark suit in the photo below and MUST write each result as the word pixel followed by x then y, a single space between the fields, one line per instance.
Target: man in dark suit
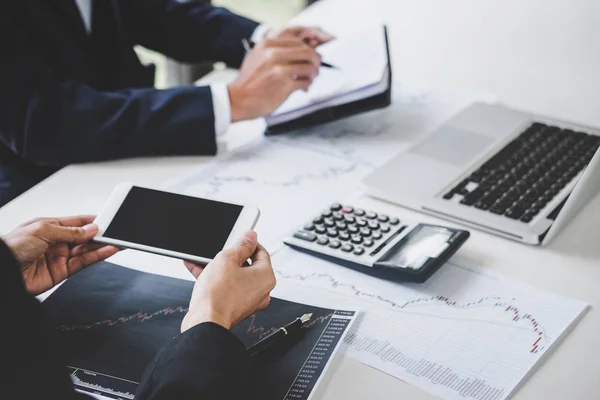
pixel 206 361
pixel 73 90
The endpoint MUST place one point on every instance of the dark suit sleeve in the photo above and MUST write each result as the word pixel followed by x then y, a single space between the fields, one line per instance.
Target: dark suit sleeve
pixel 28 357
pixel 53 121
pixel 188 31
pixel 205 362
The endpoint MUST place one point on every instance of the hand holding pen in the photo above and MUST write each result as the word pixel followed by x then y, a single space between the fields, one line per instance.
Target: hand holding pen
pixel 248 45
pixel 274 69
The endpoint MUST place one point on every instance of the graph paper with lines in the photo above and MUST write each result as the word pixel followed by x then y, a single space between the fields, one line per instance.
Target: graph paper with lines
pixel 110 321
pixel 465 334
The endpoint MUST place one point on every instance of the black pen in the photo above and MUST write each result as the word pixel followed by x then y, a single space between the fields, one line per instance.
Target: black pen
pixel 248 46
pixel 278 335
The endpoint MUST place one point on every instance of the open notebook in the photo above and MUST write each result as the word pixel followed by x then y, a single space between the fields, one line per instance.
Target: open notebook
pixel 361 82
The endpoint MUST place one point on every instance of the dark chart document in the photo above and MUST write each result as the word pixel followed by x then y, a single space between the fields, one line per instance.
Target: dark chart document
pixel 110 322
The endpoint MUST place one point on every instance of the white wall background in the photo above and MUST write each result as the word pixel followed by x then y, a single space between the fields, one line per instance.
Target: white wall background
pixel 539 55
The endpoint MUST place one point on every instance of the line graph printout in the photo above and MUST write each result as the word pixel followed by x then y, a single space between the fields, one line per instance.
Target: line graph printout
pixel 292 371
pixel 288 184
pixel 375 137
pixel 110 321
pixel 464 334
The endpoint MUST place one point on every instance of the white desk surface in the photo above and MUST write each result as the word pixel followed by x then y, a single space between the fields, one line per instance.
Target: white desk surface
pixel 539 55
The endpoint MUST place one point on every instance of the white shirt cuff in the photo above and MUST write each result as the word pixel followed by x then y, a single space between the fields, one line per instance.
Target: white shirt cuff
pixel 259 33
pixel 221 107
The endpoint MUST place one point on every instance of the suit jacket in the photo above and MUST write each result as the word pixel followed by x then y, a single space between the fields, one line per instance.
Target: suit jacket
pixel 205 362
pixel 67 97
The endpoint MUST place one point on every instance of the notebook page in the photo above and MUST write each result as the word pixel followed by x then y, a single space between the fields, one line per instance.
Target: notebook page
pixel 360 59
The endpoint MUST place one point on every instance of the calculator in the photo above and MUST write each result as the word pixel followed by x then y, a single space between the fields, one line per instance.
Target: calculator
pixel 377 244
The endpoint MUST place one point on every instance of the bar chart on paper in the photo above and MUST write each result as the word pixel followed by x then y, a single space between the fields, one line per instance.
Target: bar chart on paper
pixel 465 334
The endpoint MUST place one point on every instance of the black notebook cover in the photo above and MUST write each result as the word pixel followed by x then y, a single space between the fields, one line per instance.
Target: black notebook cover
pixel 344 110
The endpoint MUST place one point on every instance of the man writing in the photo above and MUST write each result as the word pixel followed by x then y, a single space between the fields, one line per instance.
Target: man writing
pixel 73 89
pixel 206 361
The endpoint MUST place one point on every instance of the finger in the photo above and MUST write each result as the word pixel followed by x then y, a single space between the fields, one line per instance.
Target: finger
pixel 316 35
pixel 303 55
pixel 87 247
pixel 260 256
pixel 293 72
pixel 261 264
pixel 282 42
pixel 194 269
pixel 245 247
pixel 52 233
pixel 83 260
pixel 78 220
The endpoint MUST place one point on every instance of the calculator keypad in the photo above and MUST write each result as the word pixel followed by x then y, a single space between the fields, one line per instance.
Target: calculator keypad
pixel 350 230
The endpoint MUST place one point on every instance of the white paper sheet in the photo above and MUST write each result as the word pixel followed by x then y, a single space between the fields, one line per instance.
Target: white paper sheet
pixel 464 334
pixel 360 60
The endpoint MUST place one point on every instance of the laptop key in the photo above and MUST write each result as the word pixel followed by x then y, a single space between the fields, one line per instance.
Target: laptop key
pixel 472 197
pixel 515 213
pixel 527 217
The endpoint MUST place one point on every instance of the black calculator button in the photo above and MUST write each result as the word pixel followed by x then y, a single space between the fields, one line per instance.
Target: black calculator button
pixel 340 225
pixel 335 207
pixel 361 222
pixel 318 220
pixel 371 215
pixel 385 228
pixel 309 237
pixel 344 236
pixel 335 244
pixel 347 210
pixel 352 229
pixel 373 225
pixel 332 232
pixel 329 222
pixel 368 243
pixel 347 248
pixel 394 221
pixel 320 229
pixel 327 214
pixel 383 218
pixel 357 239
pixel 359 212
pixel 359 251
pixel 350 219
pixel 323 241
pixel 338 216
pixel 309 227
pixel 366 232
pixel 377 235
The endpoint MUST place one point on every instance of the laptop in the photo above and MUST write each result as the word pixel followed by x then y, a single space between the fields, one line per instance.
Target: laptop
pixel 497 169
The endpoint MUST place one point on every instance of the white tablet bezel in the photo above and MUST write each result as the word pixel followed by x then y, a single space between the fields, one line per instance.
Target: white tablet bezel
pixel 245 222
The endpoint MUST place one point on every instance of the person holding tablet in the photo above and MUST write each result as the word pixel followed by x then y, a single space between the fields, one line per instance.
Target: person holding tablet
pixel 206 361
pixel 74 90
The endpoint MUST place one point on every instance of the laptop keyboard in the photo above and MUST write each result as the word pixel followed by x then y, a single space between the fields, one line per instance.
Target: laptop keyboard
pixel 523 177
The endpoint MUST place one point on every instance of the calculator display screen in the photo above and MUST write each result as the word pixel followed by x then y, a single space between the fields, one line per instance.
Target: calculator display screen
pixel 169 221
pixel 421 244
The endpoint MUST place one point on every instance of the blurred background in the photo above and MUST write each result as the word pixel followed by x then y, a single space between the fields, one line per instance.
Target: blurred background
pixel 275 13
pixel 537 55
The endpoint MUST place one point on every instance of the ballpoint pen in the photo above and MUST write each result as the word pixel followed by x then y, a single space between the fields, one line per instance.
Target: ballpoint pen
pixel 248 46
pixel 275 337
